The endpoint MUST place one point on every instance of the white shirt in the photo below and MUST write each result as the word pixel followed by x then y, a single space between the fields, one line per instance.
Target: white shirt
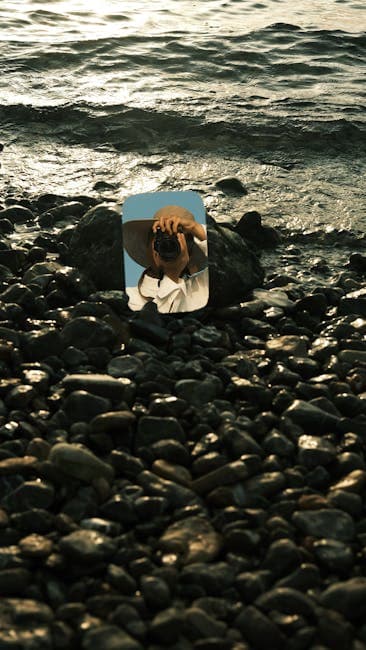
pixel 187 294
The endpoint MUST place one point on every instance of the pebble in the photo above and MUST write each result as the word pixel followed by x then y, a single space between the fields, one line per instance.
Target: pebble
pixel 30 494
pixel 314 451
pixel 331 522
pixel 127 366
pixel 334 555
pixel 153 429
pixel 88 332
pixel 193 540
pixel 307 415
pixel 347 597
pixel 35 546
pixel 81 406
pixel 79 463
pixel 87 546
pixel 109 637
pixel 289 345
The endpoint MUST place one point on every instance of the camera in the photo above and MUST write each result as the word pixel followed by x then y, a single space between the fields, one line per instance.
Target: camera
pixel 167 246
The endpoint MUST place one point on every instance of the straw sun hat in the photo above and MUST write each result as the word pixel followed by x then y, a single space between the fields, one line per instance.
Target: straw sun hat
pixel 136 237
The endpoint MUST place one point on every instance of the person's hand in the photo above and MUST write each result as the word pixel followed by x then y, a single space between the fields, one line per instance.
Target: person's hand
pixel 174 268
pixel 172 223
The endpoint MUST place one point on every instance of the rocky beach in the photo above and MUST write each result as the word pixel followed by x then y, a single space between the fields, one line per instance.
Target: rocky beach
pixel 183 482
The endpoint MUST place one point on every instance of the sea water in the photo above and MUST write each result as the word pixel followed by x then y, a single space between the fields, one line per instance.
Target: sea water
pixel 114 98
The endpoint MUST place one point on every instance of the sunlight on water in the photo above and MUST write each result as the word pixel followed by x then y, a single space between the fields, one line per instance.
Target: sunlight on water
pixel 66 20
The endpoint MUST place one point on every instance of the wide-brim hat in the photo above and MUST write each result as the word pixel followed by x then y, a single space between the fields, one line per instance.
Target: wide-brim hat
pixel 136 237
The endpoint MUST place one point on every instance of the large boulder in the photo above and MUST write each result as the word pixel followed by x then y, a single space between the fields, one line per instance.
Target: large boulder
pixel 96 249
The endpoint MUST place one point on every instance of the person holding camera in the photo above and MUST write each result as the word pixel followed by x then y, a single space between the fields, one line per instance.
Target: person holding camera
pixel 172 247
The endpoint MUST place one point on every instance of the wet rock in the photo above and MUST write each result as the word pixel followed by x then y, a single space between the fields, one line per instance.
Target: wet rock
pixel 72 209
pixel 259 630
pixel 348 598
pixel 311 417
pixel 167 626
pixel 193 540
pixel 88 332
pixel 352 356
pixel 333 555
pixel 14 581
pixel 126 366
pixel 152 429
pixel 200 625
pixel 306 577
pixel 97 238
pixel 30 494
pixel 353 303
pixel 230 284
pixel 225 475
pixel 282 557
pixel 17 214
pixel 87 546
pixel 81 406
pixel 40 344
pixel 231 184
pixel 118 577
pixel 286 600
pixel 199 392
pixel 114 421
pixel 109 637
pixel 35 546
pixel 331 523
pixel 288 345
pixel 79 463
pixel 155 591
pixel 313 451
pixel 97 384
pixel 250 228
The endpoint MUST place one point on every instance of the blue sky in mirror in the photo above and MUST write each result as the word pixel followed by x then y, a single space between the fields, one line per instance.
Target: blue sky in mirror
pixel 143 206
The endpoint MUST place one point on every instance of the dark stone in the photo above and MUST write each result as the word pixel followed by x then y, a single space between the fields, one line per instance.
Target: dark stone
pixel 109 637
pixel 30 494
pixel 331 523
pixel 250 227
pixel 313 451
pixel 311 417
pixel 282 557
pixel 17 214
pixel 122 581
pixel 231 184
pixel 97 384
pixel 73 209
pixel 13 582
pixel 87 546
pixel 155 591
pixel 80 463
pixel 333 555
pixel 152 429
pixel 200 625
pixel 81 406
pixel 353 303
pixel 259 630
pixel 40 344
pixel 193 540
pixel 87 332
pixel 97 238
pixel 167 626
pixel 288 601
pixel 348 598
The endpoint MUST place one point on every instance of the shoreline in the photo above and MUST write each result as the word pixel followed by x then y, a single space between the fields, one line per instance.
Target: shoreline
pixel 216 500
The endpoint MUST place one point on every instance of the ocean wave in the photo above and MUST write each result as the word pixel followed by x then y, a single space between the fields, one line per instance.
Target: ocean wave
pixel 126 127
